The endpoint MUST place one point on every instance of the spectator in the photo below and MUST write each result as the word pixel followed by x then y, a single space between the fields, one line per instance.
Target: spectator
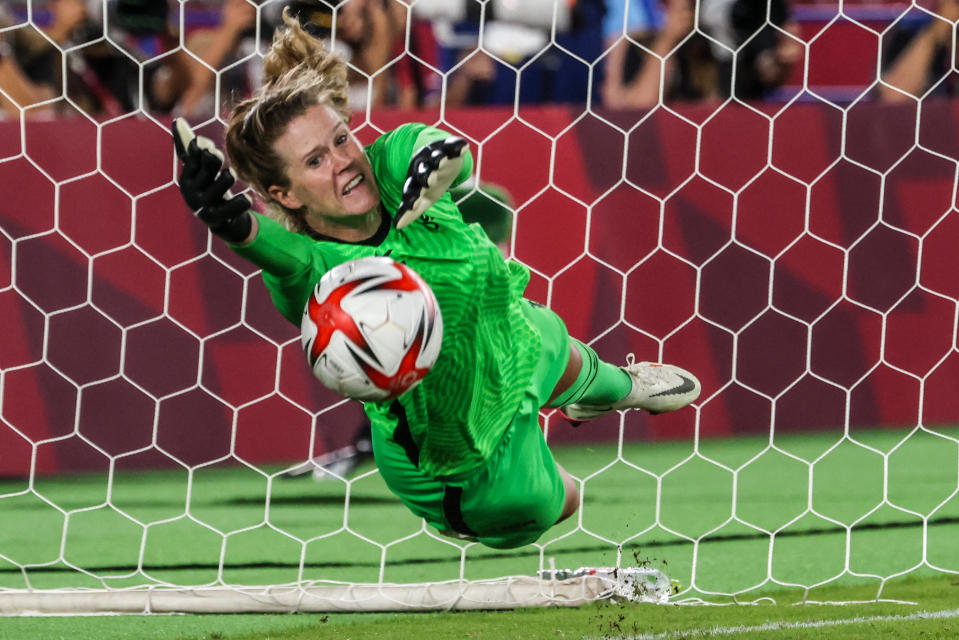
pixel 99 79
pixel 472 81
pixel 631 79
pixel 364 26
pixel 765 51
pixel 415 83
pixel 917 58
pixel 488 205
pixel 32 65
pixel 183 79
pixel 144 29
pixel 545 46
pixel 17 89
pixel 363 33
pixel 217 49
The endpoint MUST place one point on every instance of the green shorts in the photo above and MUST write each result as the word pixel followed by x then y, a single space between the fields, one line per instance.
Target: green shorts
pixel 518 494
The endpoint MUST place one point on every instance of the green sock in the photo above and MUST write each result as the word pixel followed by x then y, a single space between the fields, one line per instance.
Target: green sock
pixel 598 382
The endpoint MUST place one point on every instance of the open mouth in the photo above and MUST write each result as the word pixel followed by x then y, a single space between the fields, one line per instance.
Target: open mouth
pixel 352 184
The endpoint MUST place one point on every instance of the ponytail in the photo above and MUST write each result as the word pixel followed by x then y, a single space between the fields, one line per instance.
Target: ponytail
pixel 299 72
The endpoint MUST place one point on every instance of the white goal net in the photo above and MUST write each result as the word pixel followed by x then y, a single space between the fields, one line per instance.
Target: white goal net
pixel 761 192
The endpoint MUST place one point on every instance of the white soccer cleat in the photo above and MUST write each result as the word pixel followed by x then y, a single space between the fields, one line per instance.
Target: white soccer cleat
pixel 657 388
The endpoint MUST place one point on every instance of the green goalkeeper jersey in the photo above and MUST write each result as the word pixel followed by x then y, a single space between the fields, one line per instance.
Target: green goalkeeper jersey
pixel 459 412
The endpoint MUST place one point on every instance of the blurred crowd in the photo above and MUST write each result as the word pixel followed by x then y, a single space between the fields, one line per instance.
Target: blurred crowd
pixel 194 58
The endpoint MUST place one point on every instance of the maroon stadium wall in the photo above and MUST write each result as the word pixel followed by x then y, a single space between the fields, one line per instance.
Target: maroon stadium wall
pixel 827 299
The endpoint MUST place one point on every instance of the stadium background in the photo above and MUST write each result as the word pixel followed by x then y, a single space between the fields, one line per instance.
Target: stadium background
pixel 866 343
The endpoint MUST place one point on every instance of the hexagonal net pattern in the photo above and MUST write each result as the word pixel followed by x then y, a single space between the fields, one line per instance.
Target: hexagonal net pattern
pixel 795 251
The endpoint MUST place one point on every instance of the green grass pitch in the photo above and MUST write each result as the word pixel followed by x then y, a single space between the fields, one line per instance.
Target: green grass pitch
pixel 898 488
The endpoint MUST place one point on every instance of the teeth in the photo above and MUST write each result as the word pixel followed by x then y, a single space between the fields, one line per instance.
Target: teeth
pixel 352 184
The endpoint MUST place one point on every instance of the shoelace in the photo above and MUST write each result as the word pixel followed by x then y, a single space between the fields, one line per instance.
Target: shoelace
pixel 648 376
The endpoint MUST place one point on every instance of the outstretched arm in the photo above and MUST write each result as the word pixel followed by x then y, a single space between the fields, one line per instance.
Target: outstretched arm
pixel 290 262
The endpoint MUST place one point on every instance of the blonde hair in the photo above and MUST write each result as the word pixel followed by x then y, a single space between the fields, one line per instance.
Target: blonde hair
pixel 298 74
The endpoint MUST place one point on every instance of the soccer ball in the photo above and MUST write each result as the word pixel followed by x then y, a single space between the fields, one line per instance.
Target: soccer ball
pixel 371 329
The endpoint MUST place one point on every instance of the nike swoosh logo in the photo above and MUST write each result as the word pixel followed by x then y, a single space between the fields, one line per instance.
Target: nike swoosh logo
pixel 687 386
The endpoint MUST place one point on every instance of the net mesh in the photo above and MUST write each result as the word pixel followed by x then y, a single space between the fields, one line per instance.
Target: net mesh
pixel 796 253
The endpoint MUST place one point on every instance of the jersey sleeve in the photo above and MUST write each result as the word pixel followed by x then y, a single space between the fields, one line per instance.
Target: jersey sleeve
pixel 391 153
pixel 290 262
pixel 277 250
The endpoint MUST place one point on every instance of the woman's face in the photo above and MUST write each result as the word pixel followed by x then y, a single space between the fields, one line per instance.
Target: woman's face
pixel 327 167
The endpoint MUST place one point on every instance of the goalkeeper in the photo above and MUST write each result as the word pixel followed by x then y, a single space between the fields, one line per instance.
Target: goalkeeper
pixel 463 449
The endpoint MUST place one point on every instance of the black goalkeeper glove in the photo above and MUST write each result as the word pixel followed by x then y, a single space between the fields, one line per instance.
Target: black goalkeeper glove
pixel 205 186
pixel 432 171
